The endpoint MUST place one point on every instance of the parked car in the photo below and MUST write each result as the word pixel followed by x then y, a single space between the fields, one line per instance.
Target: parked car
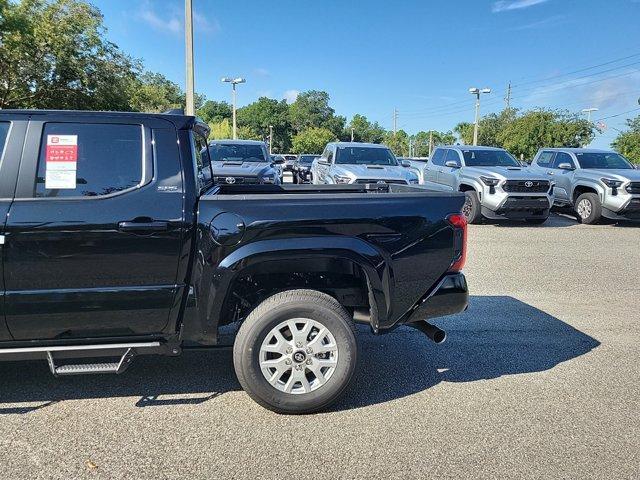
pixel 114 242
pixel 494 182
pixel 417 165
pixel 595 183
pixel 289 161
pixel 351 162
pixel 278 163
pixel 302 168
pixel 243 162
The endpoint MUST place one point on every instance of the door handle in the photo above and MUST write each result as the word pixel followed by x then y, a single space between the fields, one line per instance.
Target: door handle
pixel 143 226
pixel 550 173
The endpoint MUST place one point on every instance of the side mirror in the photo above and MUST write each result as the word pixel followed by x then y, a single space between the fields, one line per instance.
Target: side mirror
pixel 323 162
pixel 405 163
pixel 451 164
pixel 565 166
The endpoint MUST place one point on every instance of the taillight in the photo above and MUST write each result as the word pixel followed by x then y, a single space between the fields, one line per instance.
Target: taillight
pixel 459 224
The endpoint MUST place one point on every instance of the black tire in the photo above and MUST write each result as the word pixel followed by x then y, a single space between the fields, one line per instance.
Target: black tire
pixel 592 206
pixel 299 304
pixel 536 221
pixel 471 208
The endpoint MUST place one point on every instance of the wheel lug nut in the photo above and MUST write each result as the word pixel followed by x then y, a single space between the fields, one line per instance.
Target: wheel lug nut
pixel 298 344
pixel 289 350
pixel 287 362
pixel 309 361
pixel 309 350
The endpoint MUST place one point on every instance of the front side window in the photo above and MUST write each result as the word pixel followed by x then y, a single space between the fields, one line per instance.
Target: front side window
pixel 88 160
pixel 489 158
pixel 545 159
pixel 452 155
pixel 365 156
pixel 562 157
pixel 438 156
pixel 604 161
pixel 234 152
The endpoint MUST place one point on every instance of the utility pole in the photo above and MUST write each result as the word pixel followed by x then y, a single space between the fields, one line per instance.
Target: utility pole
pixel 188 32
pixel 430 142
pixel 352 133
pixel 410 146
pixel 507 98
pixel 395 120
pixel 270 139
pixel 588 111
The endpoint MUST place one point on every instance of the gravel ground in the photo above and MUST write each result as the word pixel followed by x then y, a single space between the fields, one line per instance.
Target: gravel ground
pixel 539 379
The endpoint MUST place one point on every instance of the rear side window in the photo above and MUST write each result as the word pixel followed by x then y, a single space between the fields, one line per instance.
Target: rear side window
pixel 438 156
pixel 88 160
pixel 545 159
pixel 4 131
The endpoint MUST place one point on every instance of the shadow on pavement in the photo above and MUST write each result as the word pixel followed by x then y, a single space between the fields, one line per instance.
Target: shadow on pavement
pixel 497 336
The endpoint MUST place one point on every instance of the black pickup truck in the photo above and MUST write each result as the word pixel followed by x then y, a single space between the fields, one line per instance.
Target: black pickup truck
pixel 114 243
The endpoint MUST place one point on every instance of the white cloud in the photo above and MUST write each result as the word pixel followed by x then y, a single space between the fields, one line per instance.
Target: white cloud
pixel 172 20
pixel 505 5
pixel 261 72
pixel 553 21
pixel 291 95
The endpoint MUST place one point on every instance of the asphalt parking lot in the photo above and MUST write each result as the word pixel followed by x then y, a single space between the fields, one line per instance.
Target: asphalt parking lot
pixel 540 378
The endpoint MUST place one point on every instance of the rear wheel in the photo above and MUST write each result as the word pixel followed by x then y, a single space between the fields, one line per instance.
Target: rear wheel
pixel 589 208
pixel 296 352
pixel 471 207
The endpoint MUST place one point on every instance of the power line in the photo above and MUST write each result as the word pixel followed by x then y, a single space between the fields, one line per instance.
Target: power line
pixel 617 114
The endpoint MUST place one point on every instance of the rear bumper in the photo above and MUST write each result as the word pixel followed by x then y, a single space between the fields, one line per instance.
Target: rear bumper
pixel 449 297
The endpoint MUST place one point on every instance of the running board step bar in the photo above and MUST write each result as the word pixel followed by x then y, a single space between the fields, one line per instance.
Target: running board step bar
pixel 126 352
pixel 92 368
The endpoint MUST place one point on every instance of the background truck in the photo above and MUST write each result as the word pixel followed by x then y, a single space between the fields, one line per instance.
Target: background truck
pixel 115 242
pixel 595 183
pixel 494 182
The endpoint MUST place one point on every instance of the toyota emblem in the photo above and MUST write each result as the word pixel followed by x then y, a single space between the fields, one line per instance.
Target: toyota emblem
pixel 528 184
pixel 230 180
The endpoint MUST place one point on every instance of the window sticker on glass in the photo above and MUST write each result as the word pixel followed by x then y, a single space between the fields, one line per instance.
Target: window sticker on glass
pixel 61 161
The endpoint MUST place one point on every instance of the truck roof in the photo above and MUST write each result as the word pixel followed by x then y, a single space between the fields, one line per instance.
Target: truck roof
pixel 470 147
pixel 179 120
pixel 577 150
pixel 239 142
pixel 358 144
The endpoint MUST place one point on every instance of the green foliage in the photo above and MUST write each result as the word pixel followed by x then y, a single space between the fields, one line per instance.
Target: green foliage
pixel 259 115
pixel 246 132
pixel 464 130
pixel 421 141
pixel 364 130
pixel 311 109
pixel 153 92
pixel 628 143
pixel 214 112
pixel 312 140
pixel 220 130
pixel 545 128
pixel 53 54
pixel 398 143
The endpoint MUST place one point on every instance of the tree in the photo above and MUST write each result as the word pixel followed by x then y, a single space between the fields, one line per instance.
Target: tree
pixel 628 143
pixel 398 143
pixel 153 92
pixel 265 112
pixel 465 132
pixel 311 109
pixel 421 141
pixel 489 128
pixel 220 130
pixel 53 54
pixel 364 130
pixel 214 112
pixel 545 128
pixel 312 140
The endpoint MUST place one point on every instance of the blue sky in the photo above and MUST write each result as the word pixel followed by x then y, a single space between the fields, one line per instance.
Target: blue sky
pixel 420 57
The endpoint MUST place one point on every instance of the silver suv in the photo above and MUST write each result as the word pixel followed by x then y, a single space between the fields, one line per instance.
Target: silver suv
pixel 595 183
pixel 351 162
pixel 497 186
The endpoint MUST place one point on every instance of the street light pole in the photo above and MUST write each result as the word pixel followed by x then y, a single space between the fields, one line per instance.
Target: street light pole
pixel 233 82
pixel 477 91
pixel 352 133
pixel 270 139
pixel 588 111
pixel 188 32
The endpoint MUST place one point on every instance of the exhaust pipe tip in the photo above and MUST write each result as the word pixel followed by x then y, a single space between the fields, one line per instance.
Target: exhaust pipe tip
pixel 434 333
